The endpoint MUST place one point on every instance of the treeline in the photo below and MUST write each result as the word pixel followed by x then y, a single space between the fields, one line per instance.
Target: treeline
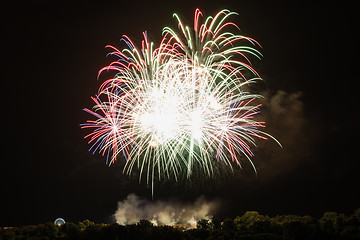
pixel 250 226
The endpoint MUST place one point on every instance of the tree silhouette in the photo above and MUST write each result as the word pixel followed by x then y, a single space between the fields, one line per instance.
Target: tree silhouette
pixel 249 226
pixel 216 223
pixel 203 224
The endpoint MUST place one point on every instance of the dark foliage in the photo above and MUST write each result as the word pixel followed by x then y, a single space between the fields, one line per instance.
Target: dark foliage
pixel 249 226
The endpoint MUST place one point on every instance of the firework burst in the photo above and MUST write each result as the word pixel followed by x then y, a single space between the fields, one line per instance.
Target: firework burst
pixel 180 105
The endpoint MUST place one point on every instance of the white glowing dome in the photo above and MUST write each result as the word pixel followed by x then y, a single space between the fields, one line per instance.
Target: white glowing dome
pixel 59 222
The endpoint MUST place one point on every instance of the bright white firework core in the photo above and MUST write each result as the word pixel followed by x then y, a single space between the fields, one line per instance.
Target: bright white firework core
pixel 196 124
pixel 160 116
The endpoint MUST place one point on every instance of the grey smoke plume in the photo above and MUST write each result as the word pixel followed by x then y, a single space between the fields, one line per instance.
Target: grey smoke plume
pixel 171 213
pixel 286 121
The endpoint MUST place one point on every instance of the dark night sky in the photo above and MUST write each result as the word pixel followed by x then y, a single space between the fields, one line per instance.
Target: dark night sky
pixel 53 52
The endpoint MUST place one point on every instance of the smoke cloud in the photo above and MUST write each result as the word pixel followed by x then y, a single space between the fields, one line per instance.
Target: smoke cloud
pixel 287 122
pixel 171 213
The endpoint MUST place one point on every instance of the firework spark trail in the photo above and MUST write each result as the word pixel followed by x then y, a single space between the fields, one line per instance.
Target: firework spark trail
pixel 181 105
